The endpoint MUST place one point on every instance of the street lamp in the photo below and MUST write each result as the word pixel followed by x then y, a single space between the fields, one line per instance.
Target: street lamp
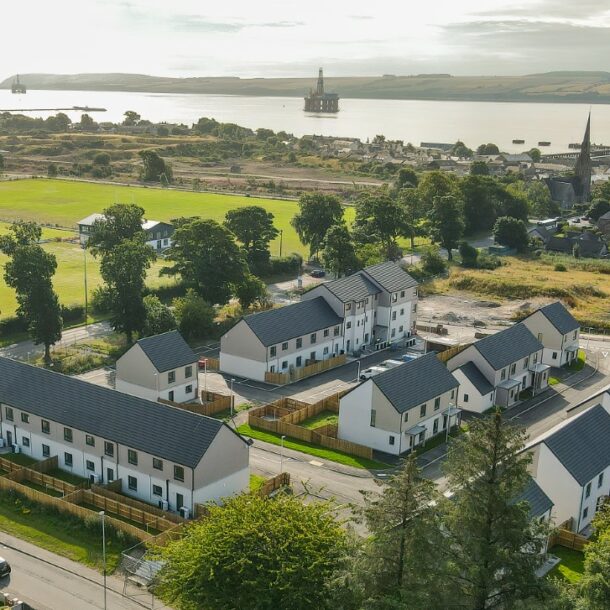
pixel 205 377
pixel 232 398
pixel 86 297
pixel 282 454
pixel 358 373
pixel 103 515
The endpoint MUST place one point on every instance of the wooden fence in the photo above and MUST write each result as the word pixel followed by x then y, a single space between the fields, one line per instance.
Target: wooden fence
pixel 451 352
pixel 570 540
pixel 273 484
pixel 44 480
pixel 306 371
pixel 220 402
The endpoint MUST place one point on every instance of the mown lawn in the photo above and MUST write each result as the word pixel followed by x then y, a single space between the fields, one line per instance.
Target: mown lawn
pixel 321 419
pixel 311 449
pixel 571 567
pixel 256 481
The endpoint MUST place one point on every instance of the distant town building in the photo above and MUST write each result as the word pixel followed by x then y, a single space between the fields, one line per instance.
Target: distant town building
pixel 320 101
pixel 17 86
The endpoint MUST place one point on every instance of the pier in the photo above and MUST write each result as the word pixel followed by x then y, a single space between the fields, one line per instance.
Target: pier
pixel 72 109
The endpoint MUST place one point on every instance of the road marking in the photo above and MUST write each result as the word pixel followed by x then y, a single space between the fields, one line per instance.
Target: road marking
pixel 316 463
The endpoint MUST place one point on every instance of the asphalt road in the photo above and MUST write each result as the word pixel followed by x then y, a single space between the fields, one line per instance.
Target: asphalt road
pixel 49 582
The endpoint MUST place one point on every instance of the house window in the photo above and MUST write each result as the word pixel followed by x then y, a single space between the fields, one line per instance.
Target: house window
pixel 535 358
pixel 299 360
pixel 540 337
pixel 178 473
pixel 272 351
pixel 89 440
pixel 170 395
pixel 312 356
pixel 25 441
pixel 284 364
pixel 526 362
pixel 46 450
pixel 400 329
pixel 452 394
pixel 588 490
pixel 25 418
pixel 402 311
pixel 325 350
pixel 284 346
pixel 272 368
pixel 465 397
pixel 313 337
pixel 394 297
pixel 336 331
pixel 171 377
pixel 68 459
pixel 188 372
pixel 157 490
pixel 513 368
pixel 90 465
pixel 68 434
pixel 45 426
pixel 575 334
pixel 132 457
pixel 157 464
pixel 348 325
pixel 406 417
pixel 299 342
pixel 348 307
pixel 503 375
pixel 9 413
pixel 132 483
pixel 373 417
pixel 326 332
pixel 108 449
pixel 393 315
pixel 422 411
pixel 188 389
pixel 392 439
pixel 402 294
pixel 393 332
pixel 437 403
pixel 554 355
pixel 585 513
pixel 435 426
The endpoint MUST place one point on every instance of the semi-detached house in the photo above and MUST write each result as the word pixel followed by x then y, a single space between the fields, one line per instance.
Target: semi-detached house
pixel 162 454
pixel 510 361
pixel 396 411
pixel 373 307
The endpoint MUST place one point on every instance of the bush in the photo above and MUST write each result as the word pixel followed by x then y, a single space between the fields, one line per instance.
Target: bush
pixel 168 292
pixel 72 313
pixel 101 300
pixel 432 263
pixel 560 267
pixel 195 316
pixel 11 326
pixel 468 254
pixel 488 261
pixel 284 265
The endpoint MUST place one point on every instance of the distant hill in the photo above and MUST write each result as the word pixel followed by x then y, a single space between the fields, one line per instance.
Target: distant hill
pixel 584 87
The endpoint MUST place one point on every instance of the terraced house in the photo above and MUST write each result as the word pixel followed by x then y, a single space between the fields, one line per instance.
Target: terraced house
pixel 368 310
pixel 163 455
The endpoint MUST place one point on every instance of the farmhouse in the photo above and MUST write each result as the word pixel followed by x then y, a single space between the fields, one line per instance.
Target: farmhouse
pixel 557 330
pixel 158 234
pixel 396 411
pixel 163 455
pixel 510 361
pixel 162 366
pixel 571 464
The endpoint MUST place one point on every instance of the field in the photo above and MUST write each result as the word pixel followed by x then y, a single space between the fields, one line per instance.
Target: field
pixel 584 286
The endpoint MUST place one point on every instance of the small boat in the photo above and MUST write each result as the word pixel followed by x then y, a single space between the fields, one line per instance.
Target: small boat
pixel 518 141
pixel 544 143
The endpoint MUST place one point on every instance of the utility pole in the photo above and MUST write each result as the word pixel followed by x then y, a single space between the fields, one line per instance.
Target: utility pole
pixel 281 238
pixel 103 515
pixel 86 291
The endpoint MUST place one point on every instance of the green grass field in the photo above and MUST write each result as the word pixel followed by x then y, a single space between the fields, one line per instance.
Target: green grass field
pixel 571 567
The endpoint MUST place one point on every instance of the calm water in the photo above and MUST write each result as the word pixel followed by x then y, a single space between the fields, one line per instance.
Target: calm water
pixel 411 121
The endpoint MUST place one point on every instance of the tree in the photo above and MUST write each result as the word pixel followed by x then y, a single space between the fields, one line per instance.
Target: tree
pixel 119 222
pixel 380 218
pixel 338 251
pixel 401 554
pixel 479 168
pixel 538 197
pixel 406 177
pixel 102 159
pixel 52 170
pixel 1 163
pixel 535 154
pixel 413 213
pixel 434 185
pixel 255 553
pixel 253 227
pixel 317 213
pixel 154 167
pixel 446 223
pixel 87 123
pixel 481 202
pixel 30 271
pixel 492 547
pixel 195 316
pixel 250 291
pixel 460 149
pixel 131 118
pixel 158 318
pixel 512 233
pixel 488 149
pixel 207 257
pixel 468 254
pixel 598 208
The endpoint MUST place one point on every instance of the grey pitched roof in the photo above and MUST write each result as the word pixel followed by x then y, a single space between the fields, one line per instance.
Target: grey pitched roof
pixel 560 244
pixel 538 501
pixel 474 375
pixel 605 216
pixel 355 287
pixel 277 325
pixel 560 317
pixel 390 276
pixel 508 346
pixel 167 351
pixel 542 231
pixel 411 384
pixel 160 430
pixel 582 445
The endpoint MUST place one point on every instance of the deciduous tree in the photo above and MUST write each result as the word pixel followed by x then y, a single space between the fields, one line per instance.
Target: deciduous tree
pixel 154 167
pixel 339 253
pixel 511 232
pixel 195 316
pixel 120 222
pixel 446 223
pixel 252 291
pixel 159 318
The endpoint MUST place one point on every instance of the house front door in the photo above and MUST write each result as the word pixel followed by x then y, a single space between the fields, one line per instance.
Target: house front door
pixel 179 501
pixel 9 438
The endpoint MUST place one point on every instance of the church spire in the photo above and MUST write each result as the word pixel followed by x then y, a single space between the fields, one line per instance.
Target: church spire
pixel 320 87
pixel 583 164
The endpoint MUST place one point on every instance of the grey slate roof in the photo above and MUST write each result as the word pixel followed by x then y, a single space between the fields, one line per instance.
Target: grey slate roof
pixel 412 384
pixel 539 502
pixel 167 351
pixel 160 430
pixel 352 288
pixel 474 375
pixel 278 325
pixel 390 276
pixel 560 317
pixel 508 346
pixel 583 444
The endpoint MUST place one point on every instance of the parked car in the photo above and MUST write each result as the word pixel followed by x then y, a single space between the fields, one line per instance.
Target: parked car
pixel 390 364
pixel 368 373
pixel 576 221
pixel 5 568
pixel 318 273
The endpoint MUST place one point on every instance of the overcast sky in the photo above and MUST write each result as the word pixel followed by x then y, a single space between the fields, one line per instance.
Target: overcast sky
pixel 291 38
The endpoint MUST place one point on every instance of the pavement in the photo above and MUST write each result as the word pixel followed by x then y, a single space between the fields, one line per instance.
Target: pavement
pixel 47 581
